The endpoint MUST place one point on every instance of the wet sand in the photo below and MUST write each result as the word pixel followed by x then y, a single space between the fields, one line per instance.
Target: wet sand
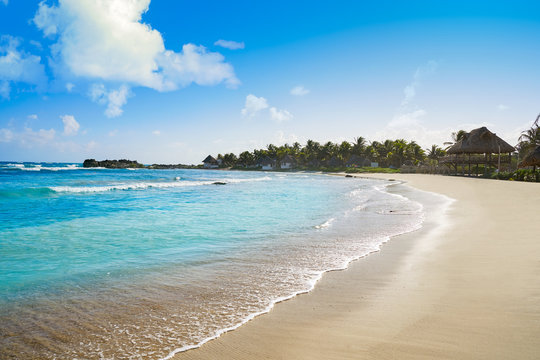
pixel 468 288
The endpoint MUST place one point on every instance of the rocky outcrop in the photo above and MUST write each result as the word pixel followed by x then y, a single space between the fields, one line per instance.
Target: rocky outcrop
pixel 112 164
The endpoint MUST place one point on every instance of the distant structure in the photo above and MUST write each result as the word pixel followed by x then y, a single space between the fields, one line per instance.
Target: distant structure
pixel 210 162
pixel 477 148
pixel 532 159
pixel 288 162
pixel 266 163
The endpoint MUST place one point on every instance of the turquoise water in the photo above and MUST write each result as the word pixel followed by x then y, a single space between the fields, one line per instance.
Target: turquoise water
pixel 102 263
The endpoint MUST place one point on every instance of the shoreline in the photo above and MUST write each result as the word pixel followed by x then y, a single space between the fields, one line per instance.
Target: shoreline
pixel 355 313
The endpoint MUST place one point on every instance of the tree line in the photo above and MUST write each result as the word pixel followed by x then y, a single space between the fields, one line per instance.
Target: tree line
pixel 389 153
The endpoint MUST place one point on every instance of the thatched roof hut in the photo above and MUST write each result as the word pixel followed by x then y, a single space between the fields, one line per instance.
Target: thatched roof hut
pixel 532 159
pixel 480 141
pixel 210 160
pixel 288 159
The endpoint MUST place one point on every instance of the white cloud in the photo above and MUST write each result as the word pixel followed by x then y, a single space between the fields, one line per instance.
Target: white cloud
pixel 232 45
pixel 407 119
pixel 32 117
pixel 71 126
pixel 280 115
pixel 6 135
pixel 282 138
pixel 253 105
pixel 91 146
pixel 69 86
pixel 299 91
pixel 29 137
pixel 114 99
pixel 18 66
pixel 5 89
pixel 5 2
pixel 502 107
pixel 106 41
pixel 256 104
pixel 156 132
pixel 194 64
pixel 409 91
pixel 113 132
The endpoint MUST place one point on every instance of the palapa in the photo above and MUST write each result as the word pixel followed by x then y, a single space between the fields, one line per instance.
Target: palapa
pixel 480 141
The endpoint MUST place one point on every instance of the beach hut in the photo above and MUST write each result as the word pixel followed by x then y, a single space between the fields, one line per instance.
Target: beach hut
pixel 477 147
pixel 288 162
pixel 210 162
pixel 532 159
pixel 266 163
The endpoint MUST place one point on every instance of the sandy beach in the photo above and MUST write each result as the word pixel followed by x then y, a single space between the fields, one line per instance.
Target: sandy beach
pixel 465 289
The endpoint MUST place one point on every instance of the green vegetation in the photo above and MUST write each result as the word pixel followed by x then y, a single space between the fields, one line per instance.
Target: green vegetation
pixel 518 175
pixel 529 139
pixel 336 156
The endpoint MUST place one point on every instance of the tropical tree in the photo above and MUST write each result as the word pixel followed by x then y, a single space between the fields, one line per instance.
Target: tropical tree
pixel 359 146
pixel 529 138
pixel 435 153
pixel 344 150
pixel 246 159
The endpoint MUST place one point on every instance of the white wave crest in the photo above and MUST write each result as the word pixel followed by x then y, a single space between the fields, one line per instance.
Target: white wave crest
pixel 146 185
pixel 326 224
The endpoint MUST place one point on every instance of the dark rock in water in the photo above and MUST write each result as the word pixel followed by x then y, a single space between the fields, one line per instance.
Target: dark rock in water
pixel 90 163
pixel 348 176
pixel 219 183
pixel 112 164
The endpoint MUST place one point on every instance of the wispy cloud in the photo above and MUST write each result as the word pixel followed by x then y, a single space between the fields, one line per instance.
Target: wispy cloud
pixel 409 91
pixel 280 115
pixel 6 135
pixel 32 117
pixel 231 45
pixel 502 107
pixel 253 105
pixel 18 66
pixel 156 132
pixel 299 90
pixel 407 123
pixel 71 126
pixel 114 99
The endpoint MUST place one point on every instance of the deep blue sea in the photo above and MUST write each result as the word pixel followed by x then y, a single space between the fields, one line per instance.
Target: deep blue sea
pixel 120 264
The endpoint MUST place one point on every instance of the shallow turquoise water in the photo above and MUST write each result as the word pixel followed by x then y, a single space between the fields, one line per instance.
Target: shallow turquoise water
pixel 101 263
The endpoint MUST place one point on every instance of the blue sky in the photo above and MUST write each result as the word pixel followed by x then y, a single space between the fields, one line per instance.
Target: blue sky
pixel 171 82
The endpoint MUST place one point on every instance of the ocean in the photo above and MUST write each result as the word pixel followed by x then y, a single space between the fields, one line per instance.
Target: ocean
pixel 138 263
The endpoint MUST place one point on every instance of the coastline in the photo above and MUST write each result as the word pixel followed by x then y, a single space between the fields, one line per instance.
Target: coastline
pixel 448 298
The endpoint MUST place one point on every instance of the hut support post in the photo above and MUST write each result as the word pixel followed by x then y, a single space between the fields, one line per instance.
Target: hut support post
pixel 499 167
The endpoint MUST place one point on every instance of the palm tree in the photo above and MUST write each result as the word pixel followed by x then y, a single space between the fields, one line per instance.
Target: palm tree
pixel 435 153
pixel 246 159
pixel 359 146
pixel 456 136
pixel 344 150
pixel 529 138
